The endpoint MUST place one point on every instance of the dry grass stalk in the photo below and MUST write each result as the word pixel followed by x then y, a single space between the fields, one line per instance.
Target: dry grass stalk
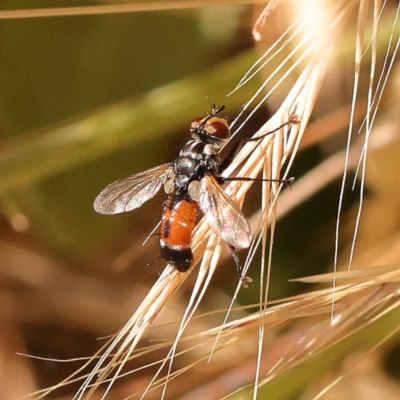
pixel 299 103
pixel 362 297
pixel 107 9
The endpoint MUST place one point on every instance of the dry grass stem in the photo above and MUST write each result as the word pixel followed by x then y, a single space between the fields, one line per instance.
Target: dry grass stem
pixel 119 8
pixel 298 104
pixel 356 298
pixel 361 298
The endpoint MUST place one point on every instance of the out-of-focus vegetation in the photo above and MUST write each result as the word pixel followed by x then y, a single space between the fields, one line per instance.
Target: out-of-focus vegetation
pixel 86 100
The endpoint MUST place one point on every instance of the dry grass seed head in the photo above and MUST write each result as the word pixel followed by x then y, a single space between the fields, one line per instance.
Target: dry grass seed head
pixel 259 157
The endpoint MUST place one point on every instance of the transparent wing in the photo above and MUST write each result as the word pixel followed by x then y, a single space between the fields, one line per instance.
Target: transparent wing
pixel 223 215
pixel 129 193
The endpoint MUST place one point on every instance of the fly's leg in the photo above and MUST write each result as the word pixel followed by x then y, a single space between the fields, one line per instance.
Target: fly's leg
pixel 155 260
pixel 287 182
pixel 243 279
pixel 238 145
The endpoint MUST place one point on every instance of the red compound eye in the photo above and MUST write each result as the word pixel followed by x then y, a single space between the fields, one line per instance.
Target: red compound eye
pixel 218 129
pixel 196 123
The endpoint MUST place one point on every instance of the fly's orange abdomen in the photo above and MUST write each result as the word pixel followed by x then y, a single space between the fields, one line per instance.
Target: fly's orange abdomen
pixel 178 221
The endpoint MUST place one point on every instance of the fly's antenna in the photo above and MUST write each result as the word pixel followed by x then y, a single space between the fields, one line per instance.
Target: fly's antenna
pixel 216 110
pixel 212 106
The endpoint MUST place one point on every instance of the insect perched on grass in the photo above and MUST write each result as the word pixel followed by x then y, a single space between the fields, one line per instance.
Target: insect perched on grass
pixel 192 181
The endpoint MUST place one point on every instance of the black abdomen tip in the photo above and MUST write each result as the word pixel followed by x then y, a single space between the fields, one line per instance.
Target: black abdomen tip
pixel 180 259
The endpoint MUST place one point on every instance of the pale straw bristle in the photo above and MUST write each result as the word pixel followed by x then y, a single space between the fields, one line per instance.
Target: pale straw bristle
pixel 358 297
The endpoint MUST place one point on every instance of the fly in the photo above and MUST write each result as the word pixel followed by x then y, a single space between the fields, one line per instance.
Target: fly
pixel 192 182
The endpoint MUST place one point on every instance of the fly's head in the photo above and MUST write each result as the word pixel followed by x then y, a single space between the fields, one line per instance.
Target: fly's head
pixel 211 129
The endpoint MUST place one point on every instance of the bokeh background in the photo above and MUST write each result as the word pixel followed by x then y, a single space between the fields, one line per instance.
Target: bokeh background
pixel 86 100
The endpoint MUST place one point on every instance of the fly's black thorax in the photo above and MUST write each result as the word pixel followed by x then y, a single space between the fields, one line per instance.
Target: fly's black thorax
pixel 194 161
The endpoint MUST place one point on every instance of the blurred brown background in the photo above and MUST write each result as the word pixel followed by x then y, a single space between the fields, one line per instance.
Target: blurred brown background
pixel 86 100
